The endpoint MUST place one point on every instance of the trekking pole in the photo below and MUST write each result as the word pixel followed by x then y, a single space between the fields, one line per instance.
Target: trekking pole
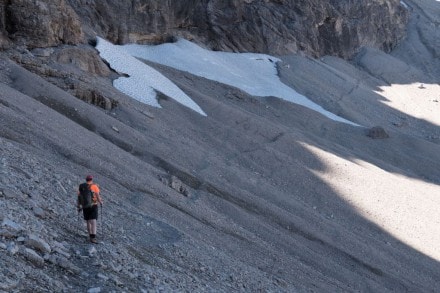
pixel 102 224
pixel 78 223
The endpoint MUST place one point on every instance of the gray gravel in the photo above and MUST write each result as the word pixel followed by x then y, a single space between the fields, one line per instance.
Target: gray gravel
pixel 260 196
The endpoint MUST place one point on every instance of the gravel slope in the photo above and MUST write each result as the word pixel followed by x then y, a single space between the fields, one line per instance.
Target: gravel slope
pixel 260 195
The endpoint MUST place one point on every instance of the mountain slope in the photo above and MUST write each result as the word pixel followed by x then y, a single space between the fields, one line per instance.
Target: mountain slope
pixel 261 194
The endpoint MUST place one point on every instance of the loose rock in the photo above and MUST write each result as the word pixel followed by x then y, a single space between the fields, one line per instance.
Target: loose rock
pixel 92 251
pixel 94 290
pixel 39 212
pixel 377 132
pixel 33 257
pixel 11 226
pixel 37 243
pixel 12 248
pixel 103 277
pixel 8 284
pixel 67 265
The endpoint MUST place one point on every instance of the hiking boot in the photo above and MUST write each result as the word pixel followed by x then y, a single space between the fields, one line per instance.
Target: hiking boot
pixel 93 240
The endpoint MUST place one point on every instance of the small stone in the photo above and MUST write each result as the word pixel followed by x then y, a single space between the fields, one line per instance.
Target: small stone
pixel 8 284
pixel 92 251
pixel 33 257
pixel 103 277
pixel 115 129
pixel 39 212
pixel 20 239
pixel 12 248
pixel 8 193
pixel 37 243
pixel 52 259
pixel 3 246
pixel 42 52
pixel 11 226
pixel 117 281
pixel 67 265
pixel 94 290
pixel 62 252
pixel 148 114
pixel 7 234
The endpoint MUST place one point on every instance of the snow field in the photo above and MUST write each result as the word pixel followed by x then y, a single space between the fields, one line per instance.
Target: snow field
pixel 143 80
pixel 255 74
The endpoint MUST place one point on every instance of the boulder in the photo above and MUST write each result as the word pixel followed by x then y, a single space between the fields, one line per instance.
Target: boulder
pixel 84 58
pixel 377 132
pixel 176 184
pixel 10 228
pixel 34 241
pixel 33 257
pixel 39 212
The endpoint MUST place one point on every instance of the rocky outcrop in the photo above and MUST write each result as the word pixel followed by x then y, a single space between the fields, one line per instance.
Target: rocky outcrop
pixel 377 132
pixel 277 27
pixel 40 23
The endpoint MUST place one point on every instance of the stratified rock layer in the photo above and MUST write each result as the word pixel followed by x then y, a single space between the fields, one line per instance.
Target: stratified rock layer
pixel 276 27
pixel 40 23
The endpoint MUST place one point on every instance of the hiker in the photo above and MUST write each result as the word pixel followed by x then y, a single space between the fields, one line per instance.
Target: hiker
pixel 88 199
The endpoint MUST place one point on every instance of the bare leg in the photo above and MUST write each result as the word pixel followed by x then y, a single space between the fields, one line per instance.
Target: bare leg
pixel 90 227
pixel 93 227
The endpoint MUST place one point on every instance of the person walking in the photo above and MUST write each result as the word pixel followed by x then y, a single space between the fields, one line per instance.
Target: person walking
pixel 88 199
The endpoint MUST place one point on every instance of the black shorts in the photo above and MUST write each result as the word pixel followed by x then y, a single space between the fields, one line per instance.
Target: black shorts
pixel 91 213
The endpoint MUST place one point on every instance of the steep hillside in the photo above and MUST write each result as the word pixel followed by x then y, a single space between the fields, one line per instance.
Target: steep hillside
pixel 258 195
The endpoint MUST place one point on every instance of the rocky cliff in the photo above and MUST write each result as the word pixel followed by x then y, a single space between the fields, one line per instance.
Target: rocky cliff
pixel 277 27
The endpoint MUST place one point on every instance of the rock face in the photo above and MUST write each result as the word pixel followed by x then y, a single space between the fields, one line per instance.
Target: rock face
pixel 317 27
pixel 40 23
pixel 276 27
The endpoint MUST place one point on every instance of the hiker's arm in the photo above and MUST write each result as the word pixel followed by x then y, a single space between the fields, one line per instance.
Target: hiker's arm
pixel 98 196
pixel 78 204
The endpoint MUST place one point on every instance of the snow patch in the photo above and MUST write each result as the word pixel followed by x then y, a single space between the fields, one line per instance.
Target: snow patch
pixel 404 4
pixel 256 74
pixel 143 80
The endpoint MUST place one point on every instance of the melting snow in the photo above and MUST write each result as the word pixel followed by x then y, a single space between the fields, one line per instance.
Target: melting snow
pixel 143 80
pixel 256 74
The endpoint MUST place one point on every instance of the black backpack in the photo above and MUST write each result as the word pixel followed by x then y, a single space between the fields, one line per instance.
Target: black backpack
pixel 85 196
